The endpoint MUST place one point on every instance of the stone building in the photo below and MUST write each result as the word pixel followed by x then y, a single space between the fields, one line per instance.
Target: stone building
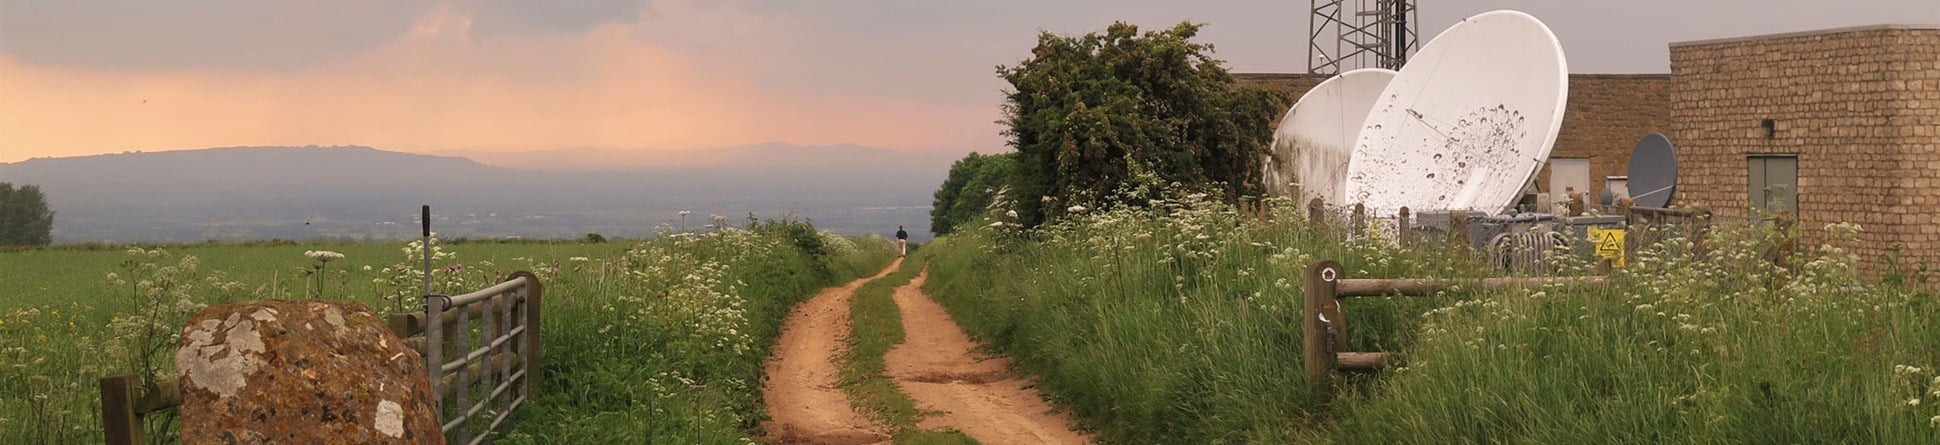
pixel 1836 125
pixel 1606 115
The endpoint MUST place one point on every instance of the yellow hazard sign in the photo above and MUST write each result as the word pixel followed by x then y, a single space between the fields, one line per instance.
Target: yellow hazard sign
pixel 1609 244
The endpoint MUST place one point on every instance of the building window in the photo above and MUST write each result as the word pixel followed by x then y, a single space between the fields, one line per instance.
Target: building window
pixel 1774 183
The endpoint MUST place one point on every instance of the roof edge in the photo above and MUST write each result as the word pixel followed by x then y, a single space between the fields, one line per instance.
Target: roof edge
pixel 1808 33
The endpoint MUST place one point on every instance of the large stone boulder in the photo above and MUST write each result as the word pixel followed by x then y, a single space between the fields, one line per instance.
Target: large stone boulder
pixel 301 372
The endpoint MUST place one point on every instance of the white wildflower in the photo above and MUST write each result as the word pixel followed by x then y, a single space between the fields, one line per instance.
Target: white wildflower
pixel 997 224
pixel 685 212
pixel 1913 401
pixel 1010 213
pixel 323 255
pixel 579 259
pixel 1076 209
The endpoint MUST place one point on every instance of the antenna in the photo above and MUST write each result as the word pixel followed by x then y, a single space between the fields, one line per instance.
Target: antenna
pixel 1467 123
pixel 1361 33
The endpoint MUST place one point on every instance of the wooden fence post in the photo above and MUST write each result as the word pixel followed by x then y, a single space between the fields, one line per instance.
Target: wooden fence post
pixel 1321 327
pixel 1700 231
pixel 1784 222
pixel 121 425
pixel 1458 227
pixel 533 365
pixel 1360 219
pixel 1402 226
pixel 1627 208
pixel 1317 212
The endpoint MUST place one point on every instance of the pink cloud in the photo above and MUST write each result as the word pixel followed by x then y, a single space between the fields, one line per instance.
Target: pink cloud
pixel 442 88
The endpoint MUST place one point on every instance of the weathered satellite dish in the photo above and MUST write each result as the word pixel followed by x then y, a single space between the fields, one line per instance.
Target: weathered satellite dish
pixel 1653 171
pixel 1316 138
pixel 1467 122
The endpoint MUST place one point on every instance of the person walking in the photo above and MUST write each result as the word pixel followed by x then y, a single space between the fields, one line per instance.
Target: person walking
pixel 902 242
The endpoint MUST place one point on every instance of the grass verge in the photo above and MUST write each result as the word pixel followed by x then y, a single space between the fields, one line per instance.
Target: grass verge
pixel 1179 323
pixel 877 325
pixel 671 350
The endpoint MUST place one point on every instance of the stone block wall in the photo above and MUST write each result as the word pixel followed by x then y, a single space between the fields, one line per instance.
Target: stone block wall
pixel 1860 107
pixel 1606 116
pixel 1292 85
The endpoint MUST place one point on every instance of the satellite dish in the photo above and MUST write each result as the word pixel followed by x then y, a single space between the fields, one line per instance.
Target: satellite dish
pixel 1316 138
pixel 1467 122
pixel 1653 171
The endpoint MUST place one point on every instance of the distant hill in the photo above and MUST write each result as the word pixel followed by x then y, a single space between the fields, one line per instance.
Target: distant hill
pixel 364 193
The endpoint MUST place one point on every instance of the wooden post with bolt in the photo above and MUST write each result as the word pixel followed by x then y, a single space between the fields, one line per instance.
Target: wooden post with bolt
pixel 1320 326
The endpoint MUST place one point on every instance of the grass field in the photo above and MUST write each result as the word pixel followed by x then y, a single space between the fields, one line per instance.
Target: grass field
pixel 1173 324
pixel 658 340
pixel 1180 324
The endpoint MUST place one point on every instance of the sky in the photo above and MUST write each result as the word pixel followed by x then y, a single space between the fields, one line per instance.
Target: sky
pixel 654 82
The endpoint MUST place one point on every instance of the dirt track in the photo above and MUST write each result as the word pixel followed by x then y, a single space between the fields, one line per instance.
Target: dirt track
pixel 805 400
pixel 938 366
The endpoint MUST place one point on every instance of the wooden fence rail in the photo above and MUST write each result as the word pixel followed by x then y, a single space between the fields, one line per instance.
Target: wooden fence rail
pixel 506 363
pixel 1324 328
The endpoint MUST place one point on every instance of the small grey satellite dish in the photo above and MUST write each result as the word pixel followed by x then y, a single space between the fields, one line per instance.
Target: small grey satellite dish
pixel 1653 171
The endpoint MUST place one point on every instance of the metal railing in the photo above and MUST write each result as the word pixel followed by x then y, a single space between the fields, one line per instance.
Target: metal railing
pixel 1523 244
pixel 506 366
pixel 502 365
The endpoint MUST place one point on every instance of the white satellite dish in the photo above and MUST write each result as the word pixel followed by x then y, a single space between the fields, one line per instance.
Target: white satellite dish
pixel 1316 138
pixel 1467 122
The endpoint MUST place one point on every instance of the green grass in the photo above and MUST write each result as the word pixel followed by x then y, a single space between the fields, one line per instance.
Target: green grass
pixel 877 326
pixel 1176 327
pixel 652 341
pixel 1181 325
pixel 58 276
pixel 1730 349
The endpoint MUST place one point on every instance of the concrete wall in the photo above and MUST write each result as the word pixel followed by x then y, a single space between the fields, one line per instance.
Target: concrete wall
pixel 1606 115
pixel 1860 107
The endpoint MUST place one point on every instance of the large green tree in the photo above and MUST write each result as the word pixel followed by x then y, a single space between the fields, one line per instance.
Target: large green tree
pixel 25 219
pixel 1086 113
pixel 974 182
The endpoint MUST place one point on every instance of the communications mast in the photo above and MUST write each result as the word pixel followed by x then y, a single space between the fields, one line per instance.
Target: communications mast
pixel 1352 34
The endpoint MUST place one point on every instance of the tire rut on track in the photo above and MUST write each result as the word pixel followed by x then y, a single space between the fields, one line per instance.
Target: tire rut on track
pixel 803 391
pixel 939 367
